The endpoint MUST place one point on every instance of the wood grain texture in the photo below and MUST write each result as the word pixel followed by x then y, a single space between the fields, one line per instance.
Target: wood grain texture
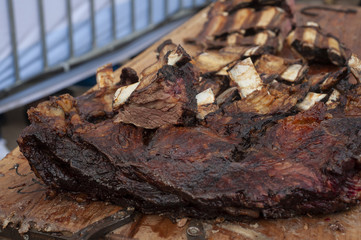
pixel 189 29
pixel 23 202
pixel 63 214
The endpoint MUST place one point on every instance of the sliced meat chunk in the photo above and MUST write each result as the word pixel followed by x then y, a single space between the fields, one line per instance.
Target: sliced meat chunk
pixel 270 66
pixel 213 61
pixel 316 46
pixel 169 99
pixel 218 83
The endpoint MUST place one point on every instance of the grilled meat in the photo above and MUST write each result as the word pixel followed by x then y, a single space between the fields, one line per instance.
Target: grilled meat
pixel 168 99
pixel 276 166
pixel 315 46
pixel 164 96
pixel 239 132
pixel 246 23
pixel 128 76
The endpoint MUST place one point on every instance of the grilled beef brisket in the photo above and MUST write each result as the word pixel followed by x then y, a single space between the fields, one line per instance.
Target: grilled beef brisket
pixel 274 167
pixel 204 138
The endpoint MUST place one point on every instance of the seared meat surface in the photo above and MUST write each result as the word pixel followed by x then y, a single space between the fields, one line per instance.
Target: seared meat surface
pixel 270 166
pixel 238 131
pixel 168 99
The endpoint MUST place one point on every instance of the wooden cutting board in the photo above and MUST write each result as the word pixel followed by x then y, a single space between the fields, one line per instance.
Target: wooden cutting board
pixel 24 207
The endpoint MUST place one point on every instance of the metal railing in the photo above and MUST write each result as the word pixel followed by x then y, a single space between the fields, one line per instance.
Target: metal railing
pixel 184 7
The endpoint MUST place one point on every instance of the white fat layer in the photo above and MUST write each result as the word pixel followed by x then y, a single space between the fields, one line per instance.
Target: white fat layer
pixel 292 72
pixel 309 36
pixel 335 95
pixel 291 38
pixel 251 51
pixel 223 71
pixel 310 100
pixel 205 97
pixel 123 93
pixel 246 77
pixel 241 15
pixel 217 59
pixel 173 58
pixel 232 39
pixel 271 33
pixel 266 17
pixel 261 38
pixel 355 65
pixel 334 45
pixel 312 24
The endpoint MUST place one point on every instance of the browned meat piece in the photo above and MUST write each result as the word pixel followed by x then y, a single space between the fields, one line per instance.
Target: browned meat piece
pixel 227 18
pixel 204 110
pixel 206 103
pixel 218 83
pixel 249 115
pixel 220 61
pixel 271 67
pixel 266 39
pixel 168 99
pixel 353 106
pixel 228 96
pixel 245 19
pixel 128 76
pixel 244 51
pixel 168 54
pixel 258 102
pixel 164 95
pixel 276 98
pixel 214 61
pixel 324 81
pixel 270 64
pixel 316 46
pixel 97 104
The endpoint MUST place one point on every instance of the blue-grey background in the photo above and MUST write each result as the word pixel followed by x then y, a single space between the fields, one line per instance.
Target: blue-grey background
pixel 28 31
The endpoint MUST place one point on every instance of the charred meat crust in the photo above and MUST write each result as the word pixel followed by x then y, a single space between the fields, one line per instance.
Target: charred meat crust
pixel 128 76
pixel 306 156
pixel 185 170
pixel 168 100
pixel 246 21
pixel 315 46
